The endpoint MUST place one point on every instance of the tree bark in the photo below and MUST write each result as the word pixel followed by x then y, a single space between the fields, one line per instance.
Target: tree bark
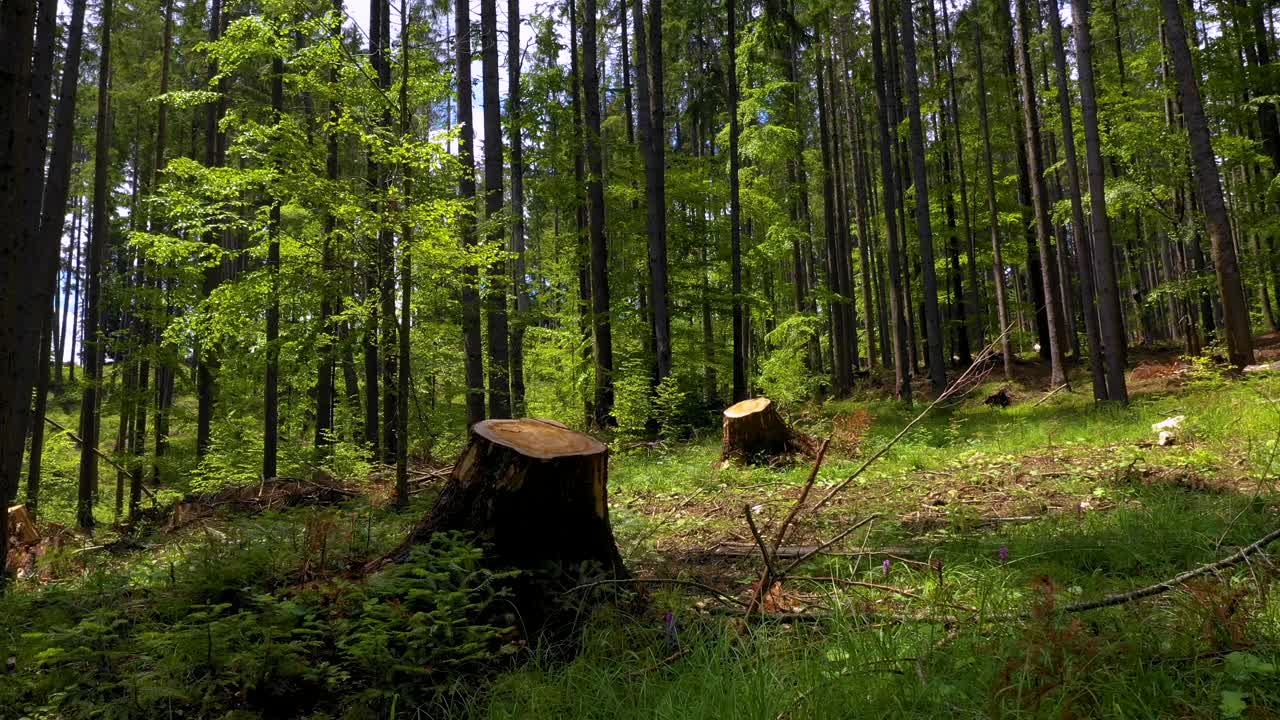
pixel 472 349
pixel 514 120
pixel 601 333
pixel 993 209
pixel 93 341
pixel 924 226
pixel 1235 310
pixel 496 295
pixel 1040 203
pixel 735 211
pixel 1110 320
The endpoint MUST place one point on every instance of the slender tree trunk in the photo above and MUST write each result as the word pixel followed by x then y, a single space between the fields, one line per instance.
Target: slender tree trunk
pixel 601 334
pixel 735 211
pixel 993 209
pixel 1230 288
pixel 1079 231
pixel 472 349
pixel 326 391
pixel 1039 201
pixel 271 386
pixel 98 240
pixel 206 357
pixel 1110 320
pixel 406 276
pixel 649 80
pixel 924 227
pixel 515 120
pixel 887 125
pixel 496 295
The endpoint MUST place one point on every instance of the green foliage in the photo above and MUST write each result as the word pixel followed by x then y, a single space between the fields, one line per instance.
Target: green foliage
pixel 784 372
pixel 218 643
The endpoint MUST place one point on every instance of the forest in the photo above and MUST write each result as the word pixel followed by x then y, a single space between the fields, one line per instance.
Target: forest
pixel 639 358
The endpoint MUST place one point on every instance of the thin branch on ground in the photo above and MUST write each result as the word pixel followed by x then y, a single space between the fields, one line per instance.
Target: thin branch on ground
pixel 804 495
pixel 968 377
pixel 787 570
pixel 719 595
pixel 1167 585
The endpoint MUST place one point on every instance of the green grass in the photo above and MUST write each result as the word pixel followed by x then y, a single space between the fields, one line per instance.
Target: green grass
pixel 1114 513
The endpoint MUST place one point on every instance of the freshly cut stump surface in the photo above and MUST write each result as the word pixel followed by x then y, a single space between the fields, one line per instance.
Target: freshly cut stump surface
pixel 754 431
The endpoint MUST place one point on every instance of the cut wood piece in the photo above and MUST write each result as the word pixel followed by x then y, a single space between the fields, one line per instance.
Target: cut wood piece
pixel 755 432
pixel 535 494
pixel 21 527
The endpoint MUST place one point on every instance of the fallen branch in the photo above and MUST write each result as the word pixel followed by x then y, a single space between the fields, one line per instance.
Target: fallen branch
pixel 791 552
pixel 1049 395
pixel 827 544
pixel 1163 587
pixel 952 390
pixel 769 575
pixel 94 448
pixel 883 588
pixel 719 595
pixel 804 495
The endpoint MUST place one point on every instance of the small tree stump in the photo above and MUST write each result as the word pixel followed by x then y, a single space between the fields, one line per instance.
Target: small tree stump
pixel 21 527
pixel 753 431
pixel 535 492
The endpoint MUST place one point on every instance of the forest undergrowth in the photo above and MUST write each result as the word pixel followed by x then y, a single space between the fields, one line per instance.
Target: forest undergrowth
pixel 989 522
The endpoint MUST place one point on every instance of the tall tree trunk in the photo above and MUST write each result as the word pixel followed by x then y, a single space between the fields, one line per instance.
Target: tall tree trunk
pixel 581 242
pixel 887 122
pixel 326 391
pixel 601 334
pixel 271 386
pixel 1235 309
pixel 653 136
pixel 924 227
pixel 472 349
pixel 496 295
pixel 214 150
pixel 514 121
pixel 1039 201
pixel 1079 231
pixel 735 211
pixel 1110 320
pixel 98 241
pixel 406 276
pixel 388 327
pixel 993 209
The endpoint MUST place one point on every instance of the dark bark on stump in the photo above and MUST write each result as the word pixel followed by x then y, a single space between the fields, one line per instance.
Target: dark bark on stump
pixel 754 432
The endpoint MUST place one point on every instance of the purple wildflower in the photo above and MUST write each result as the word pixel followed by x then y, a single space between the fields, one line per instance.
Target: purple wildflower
pixel 1003 554
pixel 884 568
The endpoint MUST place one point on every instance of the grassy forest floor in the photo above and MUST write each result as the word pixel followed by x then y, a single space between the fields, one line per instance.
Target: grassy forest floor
pixel 989 520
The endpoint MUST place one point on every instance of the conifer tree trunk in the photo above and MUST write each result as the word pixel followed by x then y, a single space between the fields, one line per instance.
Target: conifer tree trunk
pixel 271 386
pixel 649 80
pixel 887 122
pixel 406 277
pixel 514 120
pixel 735 211
pixel 924 226
pixel 466 220
pixel 496 295
pixel 98 240
pixel 385 267
pixel 1079 231
pixel 1230 288
pixel 326 391
pixel 20 310
pixel 581 241
pixel 601 334
pixel 993 209
pixel 1039 201
pixel 1110 321
pixel 206 357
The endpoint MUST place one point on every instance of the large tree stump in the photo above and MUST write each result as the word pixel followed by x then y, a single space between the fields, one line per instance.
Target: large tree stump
pixel 535 493
pixel 755 432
